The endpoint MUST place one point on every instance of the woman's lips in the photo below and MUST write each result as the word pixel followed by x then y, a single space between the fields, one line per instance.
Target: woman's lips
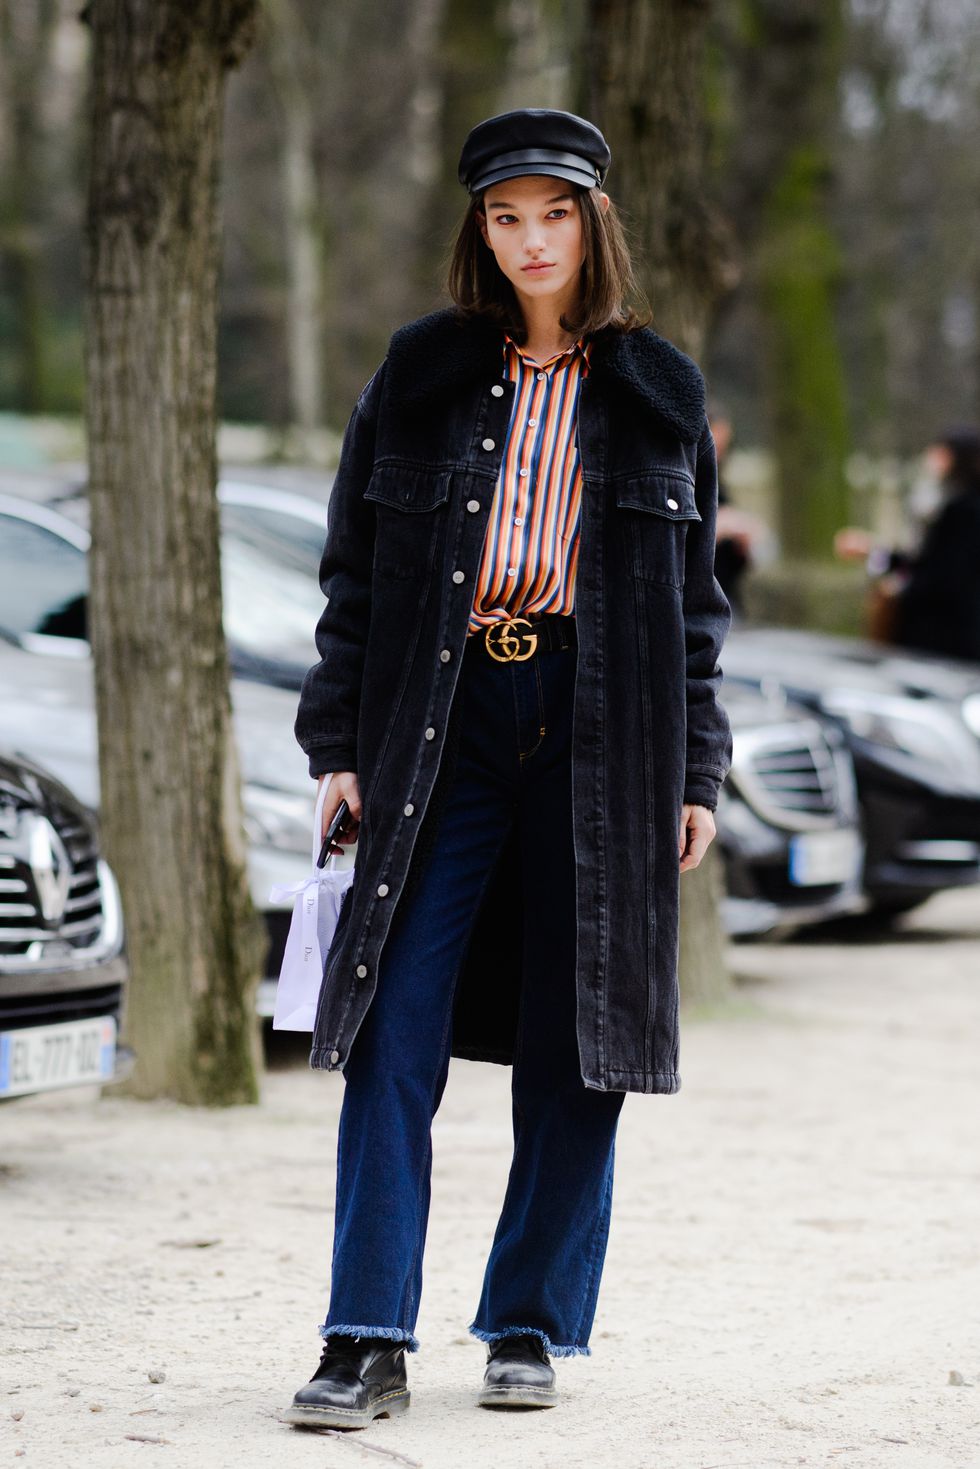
pixel 534 269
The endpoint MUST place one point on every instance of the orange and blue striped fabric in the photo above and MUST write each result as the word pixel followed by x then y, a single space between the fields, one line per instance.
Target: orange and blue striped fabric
pixel 530 553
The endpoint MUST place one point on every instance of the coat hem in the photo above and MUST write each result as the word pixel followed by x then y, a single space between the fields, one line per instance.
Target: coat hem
pixel 662 1082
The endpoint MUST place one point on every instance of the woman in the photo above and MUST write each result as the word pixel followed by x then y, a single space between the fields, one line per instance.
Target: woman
pixel 935 601
pixel 517 697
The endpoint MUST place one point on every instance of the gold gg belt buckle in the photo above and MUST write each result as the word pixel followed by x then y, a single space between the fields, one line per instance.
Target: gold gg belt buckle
pixel 500 635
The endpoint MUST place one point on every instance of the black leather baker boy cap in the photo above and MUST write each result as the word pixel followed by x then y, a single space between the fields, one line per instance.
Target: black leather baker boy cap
pixel 533 140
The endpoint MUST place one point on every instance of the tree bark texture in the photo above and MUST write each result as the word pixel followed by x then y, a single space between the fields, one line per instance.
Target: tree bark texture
pixel 790 60
pixel 647 91
pixel 171 808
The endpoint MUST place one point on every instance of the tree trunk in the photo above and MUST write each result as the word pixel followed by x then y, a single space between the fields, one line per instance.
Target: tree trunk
pixel 791 64
pixel 171 809
pixel 648 94
pixel 26 36
pixel 287 49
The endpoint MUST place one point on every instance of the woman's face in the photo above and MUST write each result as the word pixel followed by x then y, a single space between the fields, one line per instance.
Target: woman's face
pixel 533 225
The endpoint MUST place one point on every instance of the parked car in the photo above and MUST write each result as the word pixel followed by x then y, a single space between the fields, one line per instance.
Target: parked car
pixel 63 973
pixel 47 710
pixel 787 818
pixel 269 541
pixel 912 724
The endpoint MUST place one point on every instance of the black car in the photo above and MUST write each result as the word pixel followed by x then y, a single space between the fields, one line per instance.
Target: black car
pixel 787 818
pixel 912 724
pixel 63 974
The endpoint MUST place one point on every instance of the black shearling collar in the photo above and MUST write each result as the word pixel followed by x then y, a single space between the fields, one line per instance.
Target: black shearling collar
pixel 431 356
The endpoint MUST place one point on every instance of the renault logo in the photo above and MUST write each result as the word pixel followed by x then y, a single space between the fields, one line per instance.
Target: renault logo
pixel 50 865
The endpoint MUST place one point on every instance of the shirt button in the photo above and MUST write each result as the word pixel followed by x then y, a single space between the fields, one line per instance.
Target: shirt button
pixel 497 390
pixel 539 375
pixel 430 733
pixel 518 520
pixel 361 971
pixel 522 472
pixel 672 504
pixel 512 571
pixel 334 1057
pixel 409 809
pixel 489 444
pixel 472 504
pixel 459 576
pixel 445 655
pixel 382 889
pixel 532 423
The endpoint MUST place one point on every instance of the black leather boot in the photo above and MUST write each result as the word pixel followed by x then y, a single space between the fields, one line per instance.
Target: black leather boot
pixel 359 1378
pixel 519 1374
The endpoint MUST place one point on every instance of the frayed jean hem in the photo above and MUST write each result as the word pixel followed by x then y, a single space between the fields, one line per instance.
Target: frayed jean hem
pixel 385 1333
pixel 549 1345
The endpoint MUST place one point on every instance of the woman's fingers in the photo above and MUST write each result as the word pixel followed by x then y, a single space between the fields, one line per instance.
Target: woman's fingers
pixel 343 787
pixel 696 835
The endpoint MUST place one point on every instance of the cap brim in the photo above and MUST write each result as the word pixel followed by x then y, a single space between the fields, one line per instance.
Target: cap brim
pixel 583 176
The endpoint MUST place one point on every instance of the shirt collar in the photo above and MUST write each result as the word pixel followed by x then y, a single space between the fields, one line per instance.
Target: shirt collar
pixel 581 348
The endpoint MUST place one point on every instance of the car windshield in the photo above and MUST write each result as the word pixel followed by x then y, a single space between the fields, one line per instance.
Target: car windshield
pixel 269 571
pixel 272 597
pixel 43 581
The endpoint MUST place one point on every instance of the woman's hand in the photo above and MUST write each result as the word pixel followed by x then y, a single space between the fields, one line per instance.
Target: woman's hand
pixel 343 787
pixel 697 834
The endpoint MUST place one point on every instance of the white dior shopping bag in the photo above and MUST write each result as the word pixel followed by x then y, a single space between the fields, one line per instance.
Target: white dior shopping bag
pixel 316 907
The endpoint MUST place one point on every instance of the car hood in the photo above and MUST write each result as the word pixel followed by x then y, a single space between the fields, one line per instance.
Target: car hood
pixel 47 713
pixel 810 664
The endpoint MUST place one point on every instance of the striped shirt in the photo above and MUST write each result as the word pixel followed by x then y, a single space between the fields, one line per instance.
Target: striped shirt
pixel 530 553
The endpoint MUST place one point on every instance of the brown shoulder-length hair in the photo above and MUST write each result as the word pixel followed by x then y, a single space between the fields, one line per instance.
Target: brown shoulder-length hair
pixel 608 282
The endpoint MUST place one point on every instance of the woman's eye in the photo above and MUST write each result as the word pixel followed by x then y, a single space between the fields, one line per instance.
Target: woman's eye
pixel 559 211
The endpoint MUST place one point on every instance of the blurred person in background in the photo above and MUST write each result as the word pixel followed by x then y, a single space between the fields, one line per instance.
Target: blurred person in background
pixel 929 599
pixel 528 471
pixel 742 540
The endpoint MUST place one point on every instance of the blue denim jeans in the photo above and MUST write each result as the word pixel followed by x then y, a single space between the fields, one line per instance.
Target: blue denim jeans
pixel 542 1276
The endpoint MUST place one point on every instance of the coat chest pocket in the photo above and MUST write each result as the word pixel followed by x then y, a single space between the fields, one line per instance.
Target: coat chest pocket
pixel 410 503
pixel 655 511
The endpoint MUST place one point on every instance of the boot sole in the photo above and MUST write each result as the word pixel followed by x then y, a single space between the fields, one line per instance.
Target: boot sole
pixel 518 1397
pixel 388 1405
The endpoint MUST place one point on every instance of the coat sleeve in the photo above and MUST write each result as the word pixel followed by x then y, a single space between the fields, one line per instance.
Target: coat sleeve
pixel 329 701
pixel 707 618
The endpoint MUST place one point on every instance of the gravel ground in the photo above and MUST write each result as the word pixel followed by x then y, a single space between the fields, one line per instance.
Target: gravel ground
pixel 793 1273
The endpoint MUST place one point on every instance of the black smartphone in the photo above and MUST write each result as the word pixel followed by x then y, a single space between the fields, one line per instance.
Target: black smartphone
pixel 337 825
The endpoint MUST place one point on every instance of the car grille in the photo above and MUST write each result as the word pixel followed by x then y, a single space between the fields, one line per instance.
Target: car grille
pixel 792 775
pixel 18 1011
pixel 79 921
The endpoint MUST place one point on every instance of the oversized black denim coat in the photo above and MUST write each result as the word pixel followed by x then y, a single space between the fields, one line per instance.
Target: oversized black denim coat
pixel 406 523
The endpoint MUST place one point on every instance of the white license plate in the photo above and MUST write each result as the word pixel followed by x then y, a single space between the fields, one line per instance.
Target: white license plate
pixel 824 857
pixel 47 1056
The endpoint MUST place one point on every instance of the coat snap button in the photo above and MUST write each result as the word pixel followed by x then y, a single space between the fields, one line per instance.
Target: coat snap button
pixel 361 971
pixel 497 390
pixel 472 505
pixel 334 1057
pixel 672 504
pixel 459 576
pixel 489 444
pixel 382 889
pixel 409 809
pixel 445 655
pixel 430 733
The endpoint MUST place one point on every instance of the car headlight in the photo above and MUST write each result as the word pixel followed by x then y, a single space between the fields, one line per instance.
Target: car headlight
pixel 278 819
pixel 916 727
pixel 970 709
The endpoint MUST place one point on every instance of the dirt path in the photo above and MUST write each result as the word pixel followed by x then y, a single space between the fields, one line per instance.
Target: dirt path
pixel 793 1269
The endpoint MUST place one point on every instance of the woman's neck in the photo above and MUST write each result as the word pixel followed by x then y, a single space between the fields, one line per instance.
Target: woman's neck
pixel 545 336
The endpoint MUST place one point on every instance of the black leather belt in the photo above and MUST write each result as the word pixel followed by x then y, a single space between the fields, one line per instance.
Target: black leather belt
pixel 515 639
